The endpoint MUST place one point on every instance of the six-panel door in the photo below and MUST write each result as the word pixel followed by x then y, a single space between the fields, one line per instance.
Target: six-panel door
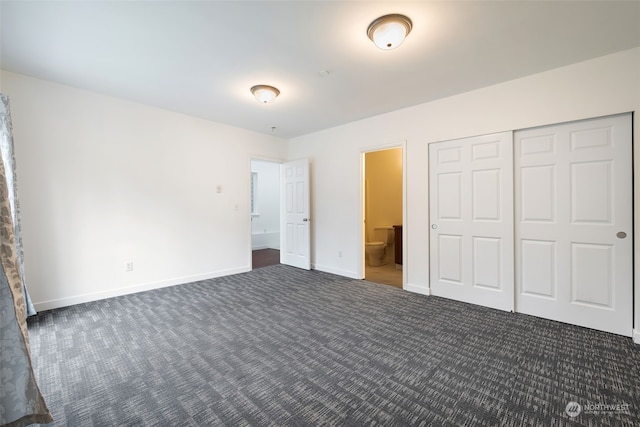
pixel 572 258
pixel 294 240
pixel 574 223
pixel 471 211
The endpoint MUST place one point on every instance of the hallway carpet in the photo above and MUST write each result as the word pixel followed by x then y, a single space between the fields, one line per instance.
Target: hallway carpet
pixel 279 346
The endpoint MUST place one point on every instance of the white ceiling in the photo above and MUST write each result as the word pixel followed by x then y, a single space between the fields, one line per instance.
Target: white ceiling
pixel 201 58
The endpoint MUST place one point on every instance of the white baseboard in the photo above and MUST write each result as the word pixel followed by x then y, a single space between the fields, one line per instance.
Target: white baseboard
pixel 337 271
pixel 636 336
pixel 95 296
pixel 418 289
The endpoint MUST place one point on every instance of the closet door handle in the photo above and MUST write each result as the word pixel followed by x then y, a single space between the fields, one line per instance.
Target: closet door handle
pixel 434 226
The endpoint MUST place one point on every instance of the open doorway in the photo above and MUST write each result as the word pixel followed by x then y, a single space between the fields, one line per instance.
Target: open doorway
pixel 383 216
pixel 265 213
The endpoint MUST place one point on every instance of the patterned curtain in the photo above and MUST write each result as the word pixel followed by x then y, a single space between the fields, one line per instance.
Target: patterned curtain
pixel 20 400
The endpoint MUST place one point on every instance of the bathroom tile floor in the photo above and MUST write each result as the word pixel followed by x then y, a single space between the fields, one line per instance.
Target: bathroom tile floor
pixel 265 257
pixel 386 274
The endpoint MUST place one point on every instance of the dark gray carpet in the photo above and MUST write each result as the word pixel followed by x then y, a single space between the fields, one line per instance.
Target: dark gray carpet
pixel 284 347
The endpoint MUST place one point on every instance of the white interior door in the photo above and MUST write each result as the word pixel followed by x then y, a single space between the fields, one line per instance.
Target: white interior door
pixel 295 242
pixel 574 223
pixel 471 214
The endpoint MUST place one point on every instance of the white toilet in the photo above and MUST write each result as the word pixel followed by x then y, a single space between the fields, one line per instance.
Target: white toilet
pixel 376 251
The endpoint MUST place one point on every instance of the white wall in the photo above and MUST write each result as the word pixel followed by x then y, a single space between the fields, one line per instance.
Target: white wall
pixel 603 86
pixel 103 181
pixel 265 226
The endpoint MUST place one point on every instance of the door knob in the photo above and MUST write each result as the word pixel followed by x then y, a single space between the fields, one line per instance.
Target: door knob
pixel 434 226
pixel 621 235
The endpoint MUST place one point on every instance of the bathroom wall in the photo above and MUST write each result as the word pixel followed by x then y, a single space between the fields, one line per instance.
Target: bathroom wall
pixel 383 202
pixel 265 223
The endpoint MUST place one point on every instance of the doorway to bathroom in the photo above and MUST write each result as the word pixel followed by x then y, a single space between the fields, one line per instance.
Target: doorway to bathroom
pixel 383 216
pixel 265 213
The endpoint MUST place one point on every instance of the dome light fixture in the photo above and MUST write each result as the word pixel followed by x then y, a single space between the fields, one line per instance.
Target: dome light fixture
pixel 265 94
pixel 388 32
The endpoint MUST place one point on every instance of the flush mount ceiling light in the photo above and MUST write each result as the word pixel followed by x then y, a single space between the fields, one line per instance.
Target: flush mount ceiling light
pixel 388 32
pixel 265 94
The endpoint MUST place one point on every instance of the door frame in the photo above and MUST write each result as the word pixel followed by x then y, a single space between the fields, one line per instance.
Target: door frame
pixel 257 158
pixel 361 230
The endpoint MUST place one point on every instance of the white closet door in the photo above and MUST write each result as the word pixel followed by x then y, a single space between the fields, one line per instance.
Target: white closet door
pixel 471 213
pixel 574 223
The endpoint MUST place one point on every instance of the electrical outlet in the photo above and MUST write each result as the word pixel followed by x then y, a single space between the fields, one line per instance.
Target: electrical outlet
pixel 339 254
pixel 128 266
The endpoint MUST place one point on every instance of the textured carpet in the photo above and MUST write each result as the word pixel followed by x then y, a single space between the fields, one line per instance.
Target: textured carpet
pixel 285 347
